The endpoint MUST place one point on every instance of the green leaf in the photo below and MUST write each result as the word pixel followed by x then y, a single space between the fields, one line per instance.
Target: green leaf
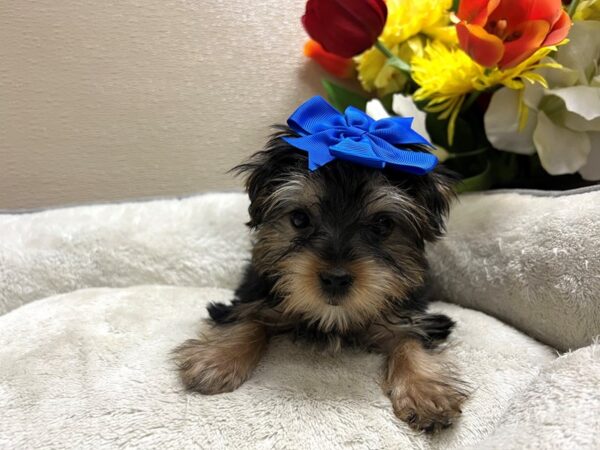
pixel 479 182
pixel 341 98
pixel 505 166
pixel 455 4
pixel 464 139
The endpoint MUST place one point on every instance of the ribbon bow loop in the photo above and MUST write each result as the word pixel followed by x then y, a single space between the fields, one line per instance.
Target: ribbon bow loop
pixel 325 134
pixel 355 118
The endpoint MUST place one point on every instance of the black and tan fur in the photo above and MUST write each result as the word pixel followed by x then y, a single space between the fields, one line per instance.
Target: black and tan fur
pixel 368 225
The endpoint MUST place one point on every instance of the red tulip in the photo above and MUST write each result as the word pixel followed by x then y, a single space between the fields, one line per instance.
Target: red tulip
pixel 345 27
pixel 506 32
pixel 334 64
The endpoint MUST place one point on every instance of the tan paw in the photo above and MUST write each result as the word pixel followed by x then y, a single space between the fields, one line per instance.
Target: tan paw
pixel 222 359
pixel 204 369
pixel 427 405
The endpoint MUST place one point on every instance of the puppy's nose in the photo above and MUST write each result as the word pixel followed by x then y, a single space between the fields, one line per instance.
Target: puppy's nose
pixel 335 281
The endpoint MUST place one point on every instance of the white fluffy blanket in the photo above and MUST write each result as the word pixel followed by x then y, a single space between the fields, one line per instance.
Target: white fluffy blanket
pixel 197 241
pixel 90 368
pixel 531 260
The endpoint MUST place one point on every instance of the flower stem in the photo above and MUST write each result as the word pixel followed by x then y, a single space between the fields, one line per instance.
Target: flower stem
pixel 478 151
pixel 383 49
pixel 392 60
pixel 573 7
pixel 470 100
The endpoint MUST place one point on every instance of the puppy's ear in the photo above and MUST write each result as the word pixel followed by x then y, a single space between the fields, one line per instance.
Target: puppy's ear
pixel 432 193
pixel 435 191
pixel 267 169
pixel 258 174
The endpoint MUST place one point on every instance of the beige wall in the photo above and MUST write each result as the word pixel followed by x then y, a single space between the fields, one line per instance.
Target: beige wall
pixel 104 100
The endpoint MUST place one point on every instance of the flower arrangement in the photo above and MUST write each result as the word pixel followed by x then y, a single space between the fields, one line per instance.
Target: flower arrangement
pixel 507 90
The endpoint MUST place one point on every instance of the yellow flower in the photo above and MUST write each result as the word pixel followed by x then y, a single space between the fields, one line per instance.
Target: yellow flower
pixel 587 10
pixel 410 25
pixel 446 75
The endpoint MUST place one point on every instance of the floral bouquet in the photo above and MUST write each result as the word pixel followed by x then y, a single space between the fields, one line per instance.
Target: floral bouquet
pixel 508 91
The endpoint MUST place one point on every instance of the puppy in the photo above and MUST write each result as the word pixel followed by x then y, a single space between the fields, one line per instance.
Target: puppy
pixel 338 260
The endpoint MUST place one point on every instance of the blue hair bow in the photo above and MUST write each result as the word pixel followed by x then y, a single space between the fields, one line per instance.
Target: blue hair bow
pixel 326 135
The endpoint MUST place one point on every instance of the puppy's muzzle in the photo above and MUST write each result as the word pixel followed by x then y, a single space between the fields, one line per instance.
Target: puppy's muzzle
pixel 335 282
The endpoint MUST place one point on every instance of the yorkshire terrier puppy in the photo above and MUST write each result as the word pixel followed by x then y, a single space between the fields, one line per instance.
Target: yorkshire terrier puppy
pixel 338 259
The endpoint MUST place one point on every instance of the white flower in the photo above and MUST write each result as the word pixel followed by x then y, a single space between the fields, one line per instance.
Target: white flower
pixel 376 110
pixel 563 121
pixel 502 124
pixel 405 106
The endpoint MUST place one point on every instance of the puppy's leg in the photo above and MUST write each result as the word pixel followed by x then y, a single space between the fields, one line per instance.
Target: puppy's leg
pixel 222 358
pixel 423 393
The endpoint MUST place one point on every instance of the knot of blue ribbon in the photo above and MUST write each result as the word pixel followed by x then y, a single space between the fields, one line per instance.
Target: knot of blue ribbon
pixel 326 134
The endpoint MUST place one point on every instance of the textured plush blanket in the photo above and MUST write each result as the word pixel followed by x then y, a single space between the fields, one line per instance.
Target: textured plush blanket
pixel 90 368
pixel 531 260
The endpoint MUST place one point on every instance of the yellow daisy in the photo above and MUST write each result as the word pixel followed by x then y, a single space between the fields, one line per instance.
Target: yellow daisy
pixel 410 25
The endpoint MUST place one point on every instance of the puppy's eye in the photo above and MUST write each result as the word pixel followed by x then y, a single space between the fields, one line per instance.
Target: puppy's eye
pixel 382 225
pixel 299 219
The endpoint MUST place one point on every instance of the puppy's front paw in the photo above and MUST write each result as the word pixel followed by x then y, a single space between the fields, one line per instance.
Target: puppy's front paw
pixel 222 359
pixel 429 405
pixel 423 390
pixel 205 369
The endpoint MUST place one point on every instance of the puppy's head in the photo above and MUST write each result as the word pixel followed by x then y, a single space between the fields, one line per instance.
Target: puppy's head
pixel 341 242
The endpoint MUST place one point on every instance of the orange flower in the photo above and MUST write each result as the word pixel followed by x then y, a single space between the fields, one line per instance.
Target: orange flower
pixel 504 33
pixel 334 64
